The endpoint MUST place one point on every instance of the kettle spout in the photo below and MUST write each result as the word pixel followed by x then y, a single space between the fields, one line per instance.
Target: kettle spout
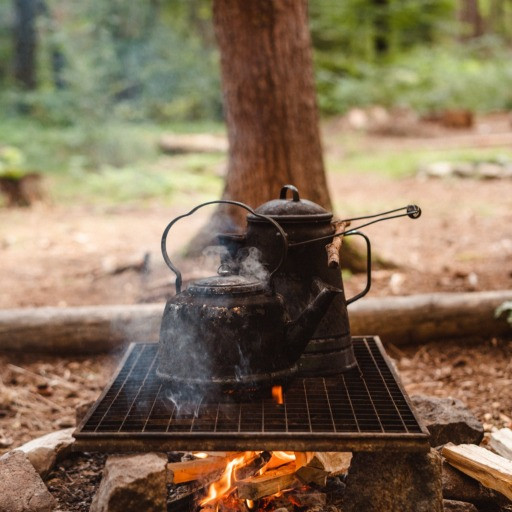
pixel 300 330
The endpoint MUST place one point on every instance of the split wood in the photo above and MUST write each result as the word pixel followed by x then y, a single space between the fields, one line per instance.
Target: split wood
pixel 501 442
pixel 489 469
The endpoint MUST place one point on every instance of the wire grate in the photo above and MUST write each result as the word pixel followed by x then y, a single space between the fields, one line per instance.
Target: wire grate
pixel 365 404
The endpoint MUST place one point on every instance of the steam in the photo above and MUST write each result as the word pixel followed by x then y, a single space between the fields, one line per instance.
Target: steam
pixel 250 264
pixel 187 349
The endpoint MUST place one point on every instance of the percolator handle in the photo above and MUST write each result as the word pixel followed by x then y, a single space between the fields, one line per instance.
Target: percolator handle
pixel 368 267
pixel 170 264
pixel 294 190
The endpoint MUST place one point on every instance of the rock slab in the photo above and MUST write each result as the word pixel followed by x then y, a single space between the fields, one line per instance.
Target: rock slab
pixel 459 487
pixel 448 420
pixel 21 488
pixel 132 483
pixel 44 451
pixel 394 482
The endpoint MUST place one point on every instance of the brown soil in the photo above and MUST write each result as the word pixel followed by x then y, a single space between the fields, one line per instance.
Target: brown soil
pixel 53 255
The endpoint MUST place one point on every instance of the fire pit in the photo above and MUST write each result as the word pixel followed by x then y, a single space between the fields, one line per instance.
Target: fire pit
pixel 261 364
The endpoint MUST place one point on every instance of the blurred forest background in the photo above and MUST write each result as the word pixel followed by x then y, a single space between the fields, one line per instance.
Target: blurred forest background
pixel 87 88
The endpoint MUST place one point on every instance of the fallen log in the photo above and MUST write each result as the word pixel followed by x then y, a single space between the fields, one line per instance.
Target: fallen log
pixel 79 330
pixel 488 468
pixel 400 320
pixel 416 319
pixel 176 144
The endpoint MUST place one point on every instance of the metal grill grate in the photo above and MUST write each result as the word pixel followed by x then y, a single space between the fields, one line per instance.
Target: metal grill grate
pixel 364 409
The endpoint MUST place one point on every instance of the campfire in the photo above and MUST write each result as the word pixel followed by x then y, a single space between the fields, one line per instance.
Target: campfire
pixel 263 480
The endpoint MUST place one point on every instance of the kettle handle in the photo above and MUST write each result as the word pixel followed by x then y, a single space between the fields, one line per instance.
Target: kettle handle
pixel 170 264
pixel 368 267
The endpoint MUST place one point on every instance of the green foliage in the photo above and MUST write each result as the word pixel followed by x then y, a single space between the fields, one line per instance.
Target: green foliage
pixel 506 307
pixel 123 60
pixel 475 76
pixel 12 163
pixel 405 53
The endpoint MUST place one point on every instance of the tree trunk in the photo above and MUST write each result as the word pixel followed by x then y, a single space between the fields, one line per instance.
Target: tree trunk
pixel 270 105
pixel 471 19
pixel 381 27
pixel 25 41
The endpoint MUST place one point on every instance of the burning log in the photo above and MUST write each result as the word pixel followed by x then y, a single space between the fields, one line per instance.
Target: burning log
pixel 271 482
pixel 196 469
pixel 274 480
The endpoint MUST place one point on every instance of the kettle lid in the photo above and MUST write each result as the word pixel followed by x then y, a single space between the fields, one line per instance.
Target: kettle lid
pixel 295 209
pixel 224 285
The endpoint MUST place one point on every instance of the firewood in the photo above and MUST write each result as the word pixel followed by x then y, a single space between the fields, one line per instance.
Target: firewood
pixel 180 472
pixel 501 442
pixel 483 465
pixel 312 475
pixel 252 467
pixel 334 463
pixel 269 483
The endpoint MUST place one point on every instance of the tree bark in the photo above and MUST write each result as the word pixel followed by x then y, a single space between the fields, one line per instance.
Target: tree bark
pixel 270 104
pixel 25 42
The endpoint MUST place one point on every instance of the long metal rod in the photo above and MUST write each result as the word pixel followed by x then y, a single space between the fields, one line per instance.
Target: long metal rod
pixel 412 212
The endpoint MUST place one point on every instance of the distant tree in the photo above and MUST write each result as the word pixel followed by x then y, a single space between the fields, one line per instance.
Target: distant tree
pixel 270 103
pixel 470 18
pixel 25 42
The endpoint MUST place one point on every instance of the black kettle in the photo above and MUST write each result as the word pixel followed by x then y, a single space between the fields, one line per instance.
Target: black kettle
pixel 309 228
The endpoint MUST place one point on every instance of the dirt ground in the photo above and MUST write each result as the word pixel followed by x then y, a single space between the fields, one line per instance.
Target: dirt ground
pixel 54 255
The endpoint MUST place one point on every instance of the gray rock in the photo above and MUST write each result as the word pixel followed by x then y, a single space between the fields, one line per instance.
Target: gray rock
pixel 492 171
pixel 437 170
pixel 459 487
pixel 448 420
pixel 44 451
pixel 132 483
pixel 21 488
pixel 458 506
pixel 394 482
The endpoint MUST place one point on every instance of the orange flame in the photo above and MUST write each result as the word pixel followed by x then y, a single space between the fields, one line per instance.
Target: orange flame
pixel 285 456
pixel 224 485
pixel 277 394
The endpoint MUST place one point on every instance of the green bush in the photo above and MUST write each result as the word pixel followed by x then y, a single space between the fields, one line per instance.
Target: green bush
pixel 476 76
